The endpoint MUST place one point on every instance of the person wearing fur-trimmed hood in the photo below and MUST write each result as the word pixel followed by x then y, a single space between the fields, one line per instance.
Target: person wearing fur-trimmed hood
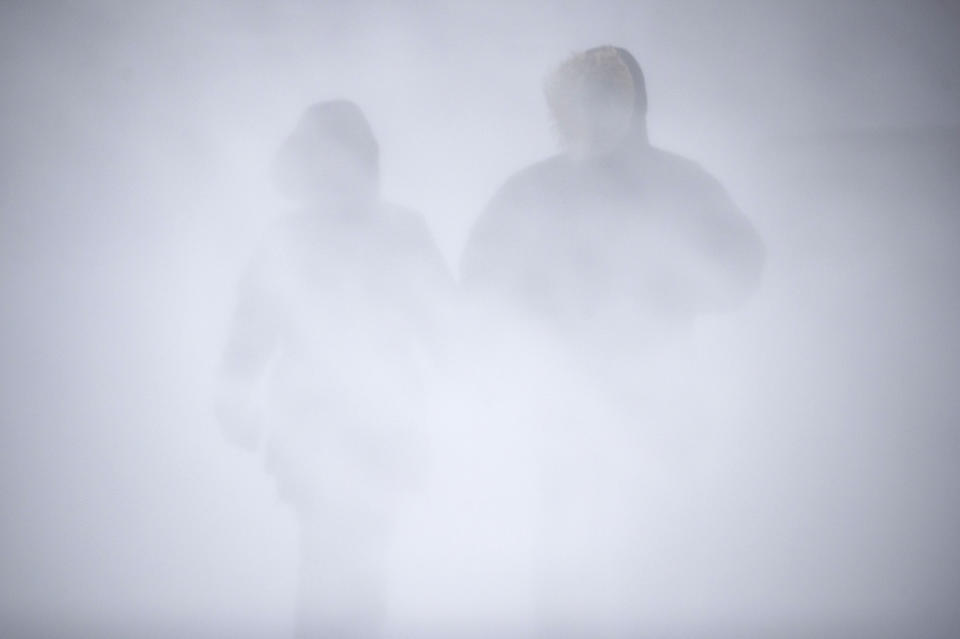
pixel 612 248
pixel 611 219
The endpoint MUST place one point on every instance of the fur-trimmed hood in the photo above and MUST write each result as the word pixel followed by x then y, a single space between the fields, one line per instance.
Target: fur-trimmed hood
pixel 598 100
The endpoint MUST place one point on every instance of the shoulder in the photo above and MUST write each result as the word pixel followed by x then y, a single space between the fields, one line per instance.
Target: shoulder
pixel 412 232
pixel 523 195
pixel 537 179
pixel 682 169
pixel 406 225
pixel 686 182
pixel 401 216
pixel 547 168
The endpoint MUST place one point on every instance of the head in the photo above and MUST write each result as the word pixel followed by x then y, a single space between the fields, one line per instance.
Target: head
pixel 331 157
pixel 598 99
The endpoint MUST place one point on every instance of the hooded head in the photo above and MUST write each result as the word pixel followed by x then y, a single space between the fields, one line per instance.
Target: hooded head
pixel 598 99
pixel 331 157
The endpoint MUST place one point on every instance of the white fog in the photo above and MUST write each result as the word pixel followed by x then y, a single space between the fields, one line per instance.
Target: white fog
pixel 783 466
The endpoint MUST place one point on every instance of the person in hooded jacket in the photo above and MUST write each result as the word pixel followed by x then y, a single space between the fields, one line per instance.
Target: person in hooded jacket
pixel 324 368
pixel 612 221
pixel 612 247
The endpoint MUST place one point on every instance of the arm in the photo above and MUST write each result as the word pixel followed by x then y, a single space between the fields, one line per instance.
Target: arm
pixel 250 347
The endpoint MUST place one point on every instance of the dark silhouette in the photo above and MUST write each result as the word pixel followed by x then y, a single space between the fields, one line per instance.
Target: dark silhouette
pixel 325 363
pixel 612 222
pixel 610 247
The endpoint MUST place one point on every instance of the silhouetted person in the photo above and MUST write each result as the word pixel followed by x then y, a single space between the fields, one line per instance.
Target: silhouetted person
pixel 610 246
pixel 332 331
pixel 611 224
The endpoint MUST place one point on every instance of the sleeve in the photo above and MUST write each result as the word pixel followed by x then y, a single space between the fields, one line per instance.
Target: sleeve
pixel 251 343
pixel 255 330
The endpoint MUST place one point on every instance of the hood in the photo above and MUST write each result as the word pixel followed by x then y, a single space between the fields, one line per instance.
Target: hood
pixel 598 100
pixel 331 154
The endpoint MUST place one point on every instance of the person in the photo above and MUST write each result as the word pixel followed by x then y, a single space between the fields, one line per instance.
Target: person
pixel 324 368
pixel 612 221
pixel 613 247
